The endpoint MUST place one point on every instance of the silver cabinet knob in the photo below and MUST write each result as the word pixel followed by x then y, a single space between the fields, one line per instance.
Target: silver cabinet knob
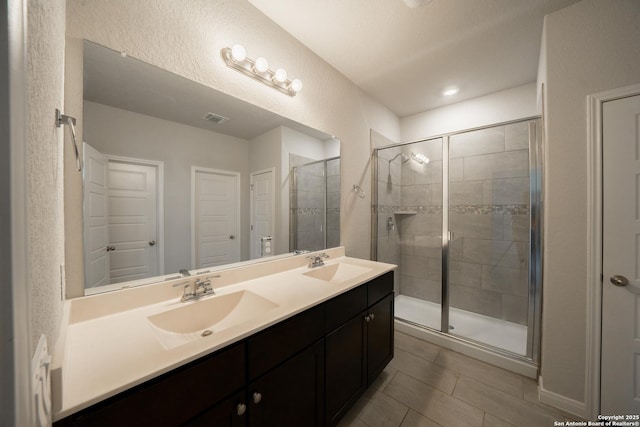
pixel 367 318
pixel 152 243
pixel 231 236
pixel 619 280
pixel 111 248
pixel 372 316
pixel 241 409
pixel 257 397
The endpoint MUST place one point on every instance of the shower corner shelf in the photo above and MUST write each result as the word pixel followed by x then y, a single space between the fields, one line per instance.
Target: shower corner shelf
pixel 405 212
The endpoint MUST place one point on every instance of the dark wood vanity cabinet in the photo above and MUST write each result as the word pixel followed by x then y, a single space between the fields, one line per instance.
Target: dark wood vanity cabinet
pixel 307 371
pixel 359 323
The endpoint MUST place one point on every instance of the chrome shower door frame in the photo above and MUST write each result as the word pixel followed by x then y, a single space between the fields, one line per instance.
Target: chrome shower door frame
pixel 536 155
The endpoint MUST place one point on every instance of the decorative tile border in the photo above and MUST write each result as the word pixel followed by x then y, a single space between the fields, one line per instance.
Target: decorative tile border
pixel 306 211
pixel 313 211
pixel 461 209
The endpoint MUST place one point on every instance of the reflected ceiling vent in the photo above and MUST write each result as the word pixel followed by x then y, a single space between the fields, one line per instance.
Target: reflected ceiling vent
pixel 215 118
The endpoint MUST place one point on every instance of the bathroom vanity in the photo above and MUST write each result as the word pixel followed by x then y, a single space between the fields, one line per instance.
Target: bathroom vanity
pixel 314 339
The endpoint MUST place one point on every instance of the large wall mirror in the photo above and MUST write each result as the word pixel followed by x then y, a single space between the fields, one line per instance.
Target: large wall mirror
pixel 178 176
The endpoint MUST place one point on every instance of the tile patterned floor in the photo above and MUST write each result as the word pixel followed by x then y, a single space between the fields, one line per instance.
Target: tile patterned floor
pixel 428 386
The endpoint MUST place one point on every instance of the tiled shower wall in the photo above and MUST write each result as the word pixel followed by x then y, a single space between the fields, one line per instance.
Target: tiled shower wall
pixel 488 213
pixel 308 206
pixel 333 203
pixel 308 203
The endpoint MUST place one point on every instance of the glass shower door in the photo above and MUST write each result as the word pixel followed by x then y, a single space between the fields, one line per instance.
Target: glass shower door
pixel 409 221
pixel 489 244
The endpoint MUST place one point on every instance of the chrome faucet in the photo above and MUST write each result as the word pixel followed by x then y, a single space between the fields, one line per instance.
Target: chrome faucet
pixel 196 289
pixel 316 260
pixel 203 287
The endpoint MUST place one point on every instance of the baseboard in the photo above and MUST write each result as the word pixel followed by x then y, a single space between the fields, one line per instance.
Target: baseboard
pixel 566 404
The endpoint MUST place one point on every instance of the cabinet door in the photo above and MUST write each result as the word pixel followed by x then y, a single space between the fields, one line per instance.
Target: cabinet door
pixel 345 370
pixel 291 394
pixel 379 337
pixel 229 413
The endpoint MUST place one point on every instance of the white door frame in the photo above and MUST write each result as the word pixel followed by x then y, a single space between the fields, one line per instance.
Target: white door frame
pixel 195 169
pixel 594 242
pixel 15 332
pixel 159 166
pixel 273 208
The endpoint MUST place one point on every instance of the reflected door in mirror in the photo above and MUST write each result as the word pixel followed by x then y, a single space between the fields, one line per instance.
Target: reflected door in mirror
pixel 262 213
pixel 121 208
pixel 216 217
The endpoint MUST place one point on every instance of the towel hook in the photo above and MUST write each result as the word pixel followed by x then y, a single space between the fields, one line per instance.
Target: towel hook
pixel 62 119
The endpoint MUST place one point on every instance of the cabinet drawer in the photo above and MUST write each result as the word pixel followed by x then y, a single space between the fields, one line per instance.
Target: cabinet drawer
pixel 273 346
pixel 344 307
pixel 379 288
pixel 172 398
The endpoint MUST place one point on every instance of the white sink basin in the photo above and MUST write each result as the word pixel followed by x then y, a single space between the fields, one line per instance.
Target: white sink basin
pixel 337 273
pixel 209 316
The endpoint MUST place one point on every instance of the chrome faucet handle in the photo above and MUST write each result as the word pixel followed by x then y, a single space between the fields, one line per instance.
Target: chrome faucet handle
pixel 186 295
pixel 316 260
pixel 205 285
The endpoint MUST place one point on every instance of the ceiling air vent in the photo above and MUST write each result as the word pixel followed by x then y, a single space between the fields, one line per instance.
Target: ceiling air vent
pixel 215 118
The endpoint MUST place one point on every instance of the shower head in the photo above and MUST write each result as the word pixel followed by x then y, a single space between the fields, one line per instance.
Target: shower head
pixel 403 159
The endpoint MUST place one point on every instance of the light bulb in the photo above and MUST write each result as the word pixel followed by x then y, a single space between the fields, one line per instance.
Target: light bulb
pixel 261 64
pixel 296 85
pixel 450 91
pixel 280 75
pixel 238 53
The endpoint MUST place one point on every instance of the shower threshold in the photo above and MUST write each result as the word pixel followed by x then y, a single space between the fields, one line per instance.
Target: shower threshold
pixel 497 333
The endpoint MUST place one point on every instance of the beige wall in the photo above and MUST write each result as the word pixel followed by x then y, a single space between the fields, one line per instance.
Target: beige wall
pixel 510 104
pixel 591 46
pixel 45 229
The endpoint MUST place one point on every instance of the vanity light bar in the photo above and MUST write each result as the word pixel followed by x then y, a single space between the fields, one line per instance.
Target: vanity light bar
pixel 236 58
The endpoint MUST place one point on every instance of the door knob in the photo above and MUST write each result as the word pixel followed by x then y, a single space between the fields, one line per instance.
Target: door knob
pixel 152 243
pixel 231 236
pixel 111 248
pixel 619 280
pixel 257 397
pixel 241 409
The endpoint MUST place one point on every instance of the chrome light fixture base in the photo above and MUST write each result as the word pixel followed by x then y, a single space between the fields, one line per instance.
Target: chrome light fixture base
pixel 247 66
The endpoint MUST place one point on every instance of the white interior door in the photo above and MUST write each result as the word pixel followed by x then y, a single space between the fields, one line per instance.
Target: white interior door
pixel 216 224
pixel 133 221
pixel 262 211
pixel 96 233
pixel 620 370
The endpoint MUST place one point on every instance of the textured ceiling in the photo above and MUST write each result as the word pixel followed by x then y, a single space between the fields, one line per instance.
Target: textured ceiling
pixel 404 57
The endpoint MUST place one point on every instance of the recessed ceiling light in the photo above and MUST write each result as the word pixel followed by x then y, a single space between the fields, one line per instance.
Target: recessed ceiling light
pixel 416 3
pixel 450 91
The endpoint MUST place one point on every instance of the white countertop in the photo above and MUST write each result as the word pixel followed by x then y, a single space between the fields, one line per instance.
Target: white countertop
pixel 108 345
